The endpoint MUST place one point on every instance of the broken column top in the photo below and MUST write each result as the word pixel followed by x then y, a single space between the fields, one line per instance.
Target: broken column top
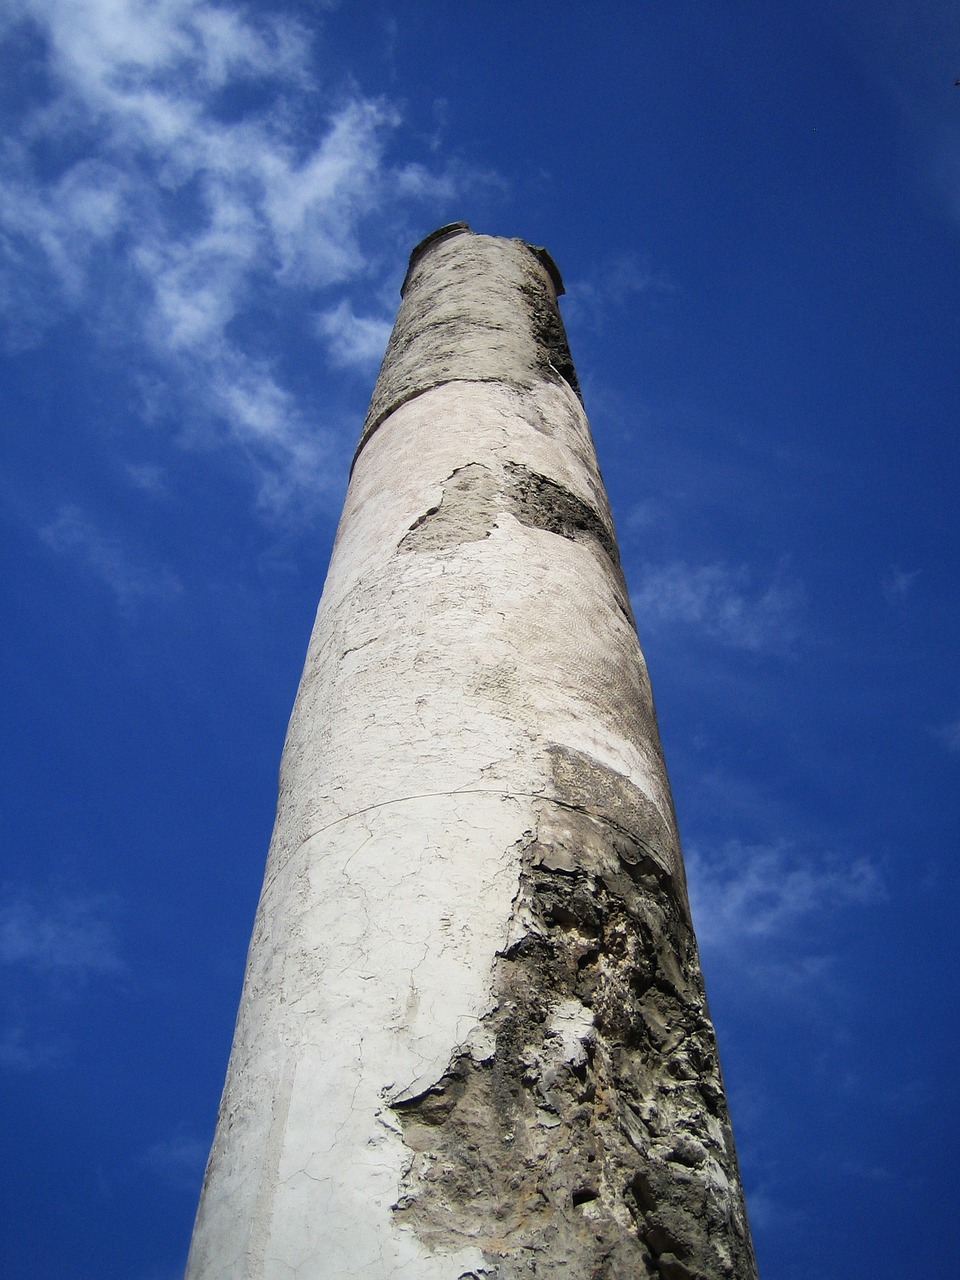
pixel 458 228
pixel 475 309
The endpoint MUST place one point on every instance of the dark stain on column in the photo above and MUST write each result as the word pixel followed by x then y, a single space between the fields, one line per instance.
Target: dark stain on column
pixel 474 497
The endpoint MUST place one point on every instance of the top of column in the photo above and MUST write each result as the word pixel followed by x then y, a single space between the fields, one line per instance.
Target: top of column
pixel 477 309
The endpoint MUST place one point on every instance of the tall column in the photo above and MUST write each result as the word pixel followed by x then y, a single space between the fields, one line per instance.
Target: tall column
pixel 473 1039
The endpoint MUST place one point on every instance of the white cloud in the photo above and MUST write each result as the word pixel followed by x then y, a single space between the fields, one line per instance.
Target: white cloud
pixel 147 476
pixel 747 895
pixel 120 55
pixel 643 514
pixel 354 341
pixel 132 581
pixel 69 934
pixel 770 1212
pixel 949 735
pixel 726 603
pixel 289 455
pixel 19 1053
pixel 173 215
pixel 910 52
pixel 898 583
pixel 68 939
pixel 178 1159
pixel 588 303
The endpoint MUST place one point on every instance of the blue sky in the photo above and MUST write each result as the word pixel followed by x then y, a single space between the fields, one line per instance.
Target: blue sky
pixel 205 213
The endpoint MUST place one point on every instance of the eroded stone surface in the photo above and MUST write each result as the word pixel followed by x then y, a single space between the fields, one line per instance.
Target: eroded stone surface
pixel 472 1039
pixel 590 1137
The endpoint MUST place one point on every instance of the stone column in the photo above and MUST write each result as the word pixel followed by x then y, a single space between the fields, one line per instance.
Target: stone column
pixel 473 1039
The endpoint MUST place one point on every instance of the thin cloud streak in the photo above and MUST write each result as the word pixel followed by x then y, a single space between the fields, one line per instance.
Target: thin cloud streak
pixel 949 736
pixel 726 604
pixel 898 584
pixel 19 1053
pixel 754 905
pixel 70 935
pixel 132 581
pixel 589 303
pixel 178 1159
pixel 354 341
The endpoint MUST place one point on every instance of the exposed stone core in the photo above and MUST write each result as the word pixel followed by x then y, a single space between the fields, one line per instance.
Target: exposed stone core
pixel 473 1039
pixel 585 1132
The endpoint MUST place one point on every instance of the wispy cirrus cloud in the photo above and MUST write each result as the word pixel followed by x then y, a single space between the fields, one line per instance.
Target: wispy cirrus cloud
pixel 131 578
pixel 911 56
pixel 589 302
pixel 354 341
pixel 898 583
pixel 66 934
pixel 751 900
pixel 178 1159
pixel 147 476
pixel 20 1052
pixel 729 604
pixel 176 172
pixel 948 735
pixel 52 942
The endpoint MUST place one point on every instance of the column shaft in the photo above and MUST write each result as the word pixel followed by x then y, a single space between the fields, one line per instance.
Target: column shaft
pixel 473 1039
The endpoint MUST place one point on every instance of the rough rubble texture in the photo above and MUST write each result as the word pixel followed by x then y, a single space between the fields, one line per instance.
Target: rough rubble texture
pixel 588 1135
pixel 473 1040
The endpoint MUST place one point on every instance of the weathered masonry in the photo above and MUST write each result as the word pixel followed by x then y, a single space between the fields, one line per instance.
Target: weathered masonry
pixel 473 1039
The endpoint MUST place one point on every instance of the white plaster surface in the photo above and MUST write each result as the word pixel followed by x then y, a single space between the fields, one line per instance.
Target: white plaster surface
pixel 416 755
